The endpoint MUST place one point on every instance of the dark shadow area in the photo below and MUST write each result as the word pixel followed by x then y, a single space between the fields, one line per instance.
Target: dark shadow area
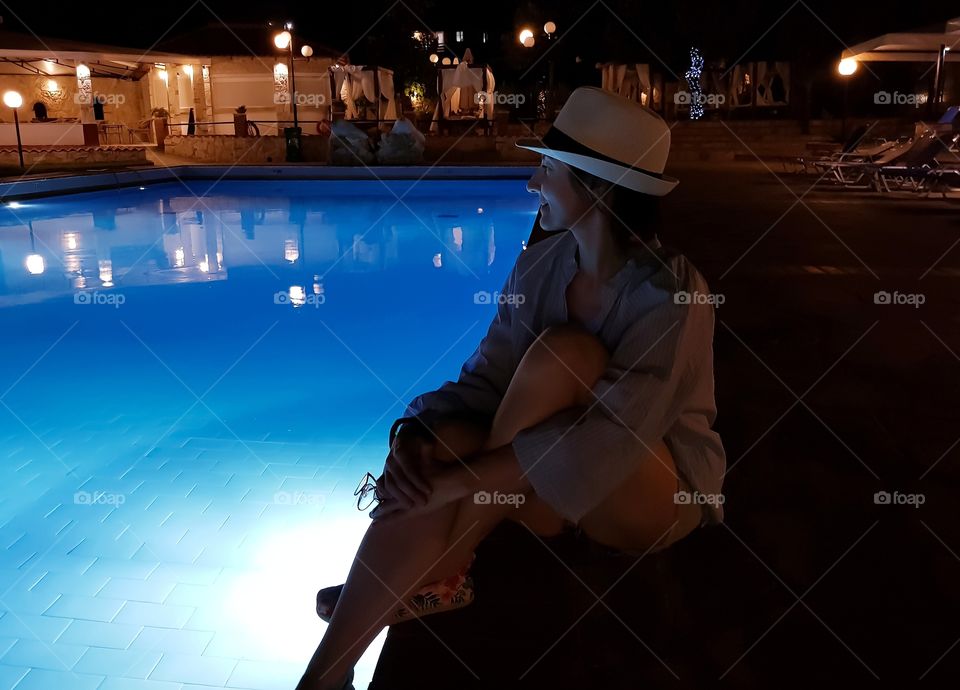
pixel 826 398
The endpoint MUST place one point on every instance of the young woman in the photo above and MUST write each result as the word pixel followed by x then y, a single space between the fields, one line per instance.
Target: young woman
pixel 587 406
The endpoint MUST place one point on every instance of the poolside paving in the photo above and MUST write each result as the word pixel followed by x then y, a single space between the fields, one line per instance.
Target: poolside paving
pixel 826 396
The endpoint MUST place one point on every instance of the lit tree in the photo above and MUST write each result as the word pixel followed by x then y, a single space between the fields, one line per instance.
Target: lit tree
pixel 694 87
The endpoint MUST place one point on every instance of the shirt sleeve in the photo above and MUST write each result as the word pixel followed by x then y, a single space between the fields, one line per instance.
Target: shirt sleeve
pixel 485 375
pixel 577 457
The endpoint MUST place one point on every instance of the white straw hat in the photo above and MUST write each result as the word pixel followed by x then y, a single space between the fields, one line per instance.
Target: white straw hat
pixel 612 137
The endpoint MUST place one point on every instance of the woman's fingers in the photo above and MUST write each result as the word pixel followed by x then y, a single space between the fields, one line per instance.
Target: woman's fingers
pixel 392 492
pixel 391 508
pixel 401 489
pixel 406 488
pixel 408 456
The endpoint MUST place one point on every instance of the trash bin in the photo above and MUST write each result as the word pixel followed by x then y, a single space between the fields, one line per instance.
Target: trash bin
pixel 294 150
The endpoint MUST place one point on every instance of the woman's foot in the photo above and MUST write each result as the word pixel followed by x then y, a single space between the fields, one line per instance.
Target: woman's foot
pixel 448 594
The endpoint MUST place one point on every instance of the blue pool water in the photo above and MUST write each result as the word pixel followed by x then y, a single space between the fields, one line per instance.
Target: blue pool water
pixel 194 378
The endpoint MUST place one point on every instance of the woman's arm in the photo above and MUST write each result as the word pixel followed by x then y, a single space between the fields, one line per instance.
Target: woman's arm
pixel 492 470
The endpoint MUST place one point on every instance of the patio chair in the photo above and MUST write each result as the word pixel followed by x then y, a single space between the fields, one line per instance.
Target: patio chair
pixel 142 133
pixel 912 170
pixel 856 147
pixel 854 170
pixel 940 181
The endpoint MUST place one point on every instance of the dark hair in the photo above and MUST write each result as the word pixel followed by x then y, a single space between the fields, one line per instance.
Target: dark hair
pixel 634 216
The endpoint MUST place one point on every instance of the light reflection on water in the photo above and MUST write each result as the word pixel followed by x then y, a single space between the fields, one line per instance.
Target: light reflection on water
pixel 202 356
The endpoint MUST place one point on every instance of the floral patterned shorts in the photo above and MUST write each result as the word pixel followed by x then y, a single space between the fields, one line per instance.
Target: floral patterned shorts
pixel 452 592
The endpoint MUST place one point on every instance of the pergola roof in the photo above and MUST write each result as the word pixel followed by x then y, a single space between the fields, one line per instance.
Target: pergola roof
pixel 28 54
pixel 918 46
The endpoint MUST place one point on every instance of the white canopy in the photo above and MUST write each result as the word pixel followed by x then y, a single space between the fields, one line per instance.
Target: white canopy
pixel 932 45
pixel 630 81
pixel 458 92
pixel 353 81
pixel 919 46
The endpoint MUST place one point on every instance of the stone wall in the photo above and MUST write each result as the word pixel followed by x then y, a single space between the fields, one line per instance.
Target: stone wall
pixel 218 148
pixel 74 156
pixel 124 100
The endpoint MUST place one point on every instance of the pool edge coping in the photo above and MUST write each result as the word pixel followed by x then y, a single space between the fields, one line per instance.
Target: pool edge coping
pixel 102 180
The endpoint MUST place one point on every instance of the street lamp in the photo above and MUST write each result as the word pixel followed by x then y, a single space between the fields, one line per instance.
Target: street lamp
pixel 845 68
pixel 284 41
pixel 528 39
pixel 14 100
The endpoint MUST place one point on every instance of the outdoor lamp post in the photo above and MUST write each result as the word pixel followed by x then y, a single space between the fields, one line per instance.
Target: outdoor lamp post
pixel 284 41
pixel 14 100
pixel 527 38
pixel 846 68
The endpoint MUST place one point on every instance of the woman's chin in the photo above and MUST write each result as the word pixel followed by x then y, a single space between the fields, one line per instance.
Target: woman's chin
pixel 546 223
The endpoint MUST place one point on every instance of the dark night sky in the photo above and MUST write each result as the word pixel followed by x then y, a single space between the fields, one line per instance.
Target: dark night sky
pixel 721 29
pixel 736 23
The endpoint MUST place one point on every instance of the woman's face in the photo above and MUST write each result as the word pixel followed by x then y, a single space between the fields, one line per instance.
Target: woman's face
pixel 562 203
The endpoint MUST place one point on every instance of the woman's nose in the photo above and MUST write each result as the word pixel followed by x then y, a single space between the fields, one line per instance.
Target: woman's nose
pixel 533 184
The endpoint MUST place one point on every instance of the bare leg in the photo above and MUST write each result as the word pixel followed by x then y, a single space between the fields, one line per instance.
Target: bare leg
pixel 395 559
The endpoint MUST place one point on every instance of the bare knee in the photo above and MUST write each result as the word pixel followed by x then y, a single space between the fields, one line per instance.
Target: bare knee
pixel 568 352
pixel 457 439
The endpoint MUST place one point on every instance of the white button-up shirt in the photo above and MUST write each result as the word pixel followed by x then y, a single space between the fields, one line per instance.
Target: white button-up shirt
pixel 657 321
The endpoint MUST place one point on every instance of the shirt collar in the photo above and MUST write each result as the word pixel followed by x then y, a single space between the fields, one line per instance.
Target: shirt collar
pixel 649 252
pixel 612 289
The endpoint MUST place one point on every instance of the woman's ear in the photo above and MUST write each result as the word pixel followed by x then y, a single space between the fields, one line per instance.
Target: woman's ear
pixel 600 189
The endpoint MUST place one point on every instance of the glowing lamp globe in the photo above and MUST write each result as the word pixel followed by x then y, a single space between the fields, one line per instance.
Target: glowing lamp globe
pixel 12 99
pixel 282 40
pixel 847 67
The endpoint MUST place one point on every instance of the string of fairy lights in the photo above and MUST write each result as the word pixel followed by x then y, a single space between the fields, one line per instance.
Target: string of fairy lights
pixel 695 89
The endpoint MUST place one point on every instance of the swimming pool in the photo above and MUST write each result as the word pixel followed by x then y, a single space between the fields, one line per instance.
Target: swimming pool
pixel 194 378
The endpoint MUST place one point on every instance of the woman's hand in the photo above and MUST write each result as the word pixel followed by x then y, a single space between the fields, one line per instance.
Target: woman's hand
pixel 406 470
pixel 446 485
